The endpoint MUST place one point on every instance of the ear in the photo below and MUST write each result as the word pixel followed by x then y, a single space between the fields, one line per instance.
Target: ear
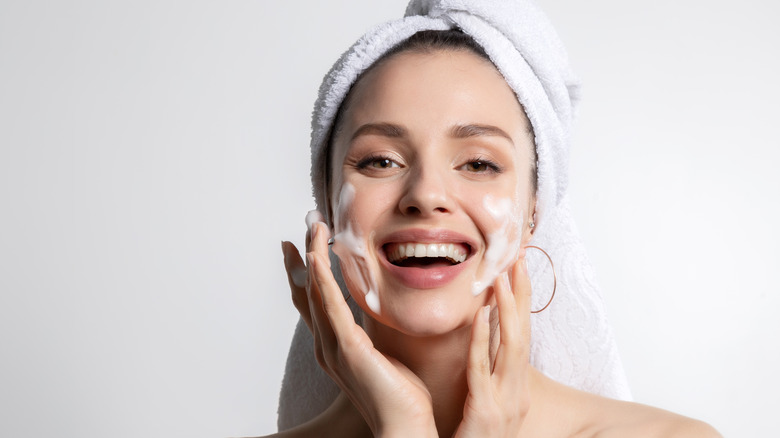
pixel 530 227
pixel 532 205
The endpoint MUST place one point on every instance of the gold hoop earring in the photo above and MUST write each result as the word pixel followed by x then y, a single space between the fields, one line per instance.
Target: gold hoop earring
pixel 555 278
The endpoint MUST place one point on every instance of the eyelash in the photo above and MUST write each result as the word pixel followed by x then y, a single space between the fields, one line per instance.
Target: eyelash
pixel 492 167
pixel 366 162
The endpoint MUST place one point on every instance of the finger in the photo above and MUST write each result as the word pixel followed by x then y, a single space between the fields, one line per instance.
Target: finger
pixel 333 304
pixel 478 366
pixel 312 217
pixel 296 277
pixel 521 286
pixel 509 348
pixel 325 343
pixel 319 240
pixel 320 322
pixel 334 321
pixel 321 330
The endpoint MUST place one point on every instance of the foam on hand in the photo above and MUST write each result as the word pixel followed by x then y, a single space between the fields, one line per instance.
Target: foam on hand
pixel 312 217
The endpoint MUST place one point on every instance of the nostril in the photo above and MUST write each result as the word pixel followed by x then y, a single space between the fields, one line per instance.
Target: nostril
pixel 424 196
pixel 412 210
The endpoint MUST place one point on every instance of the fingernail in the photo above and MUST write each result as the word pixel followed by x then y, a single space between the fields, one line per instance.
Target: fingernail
pixel 284 251
pixel 299 277
pixel 486 314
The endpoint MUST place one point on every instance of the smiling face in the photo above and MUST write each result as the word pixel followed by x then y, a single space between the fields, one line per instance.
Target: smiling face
pixel 431 188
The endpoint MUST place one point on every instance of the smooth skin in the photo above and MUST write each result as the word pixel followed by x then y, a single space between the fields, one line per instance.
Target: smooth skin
pixel 400 377
pixel 394 401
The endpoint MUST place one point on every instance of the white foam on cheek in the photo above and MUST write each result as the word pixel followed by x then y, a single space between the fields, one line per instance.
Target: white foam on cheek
pixel 502 247
pixel 350 247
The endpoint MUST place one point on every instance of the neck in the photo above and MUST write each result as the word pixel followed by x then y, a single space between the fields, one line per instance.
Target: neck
pixel 439 361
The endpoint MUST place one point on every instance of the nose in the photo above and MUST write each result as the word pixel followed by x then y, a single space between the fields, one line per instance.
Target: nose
pixel 426 194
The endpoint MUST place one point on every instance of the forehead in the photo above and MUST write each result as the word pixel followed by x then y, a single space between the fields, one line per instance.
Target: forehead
pixel 430 90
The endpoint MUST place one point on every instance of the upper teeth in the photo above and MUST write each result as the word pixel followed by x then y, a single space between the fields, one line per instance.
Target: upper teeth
pixel 406 250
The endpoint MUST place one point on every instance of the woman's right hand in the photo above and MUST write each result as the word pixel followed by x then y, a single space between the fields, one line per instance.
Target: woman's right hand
pixel 392 400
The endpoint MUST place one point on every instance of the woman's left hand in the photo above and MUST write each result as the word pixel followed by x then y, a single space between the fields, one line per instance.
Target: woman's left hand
pixel 498 399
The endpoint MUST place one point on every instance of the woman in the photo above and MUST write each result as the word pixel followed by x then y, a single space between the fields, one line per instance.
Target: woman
pixel 439 155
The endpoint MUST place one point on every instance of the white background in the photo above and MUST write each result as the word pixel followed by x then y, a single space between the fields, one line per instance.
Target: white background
pixel 154 153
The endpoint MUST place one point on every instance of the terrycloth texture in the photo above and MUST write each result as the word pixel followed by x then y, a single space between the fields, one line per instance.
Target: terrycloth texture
pixel 571 341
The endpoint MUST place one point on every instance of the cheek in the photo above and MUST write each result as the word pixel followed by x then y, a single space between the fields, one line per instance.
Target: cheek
pixel 500 222
pixel 365 207
pixel 359 280
pixel 497 208
pixel 353 226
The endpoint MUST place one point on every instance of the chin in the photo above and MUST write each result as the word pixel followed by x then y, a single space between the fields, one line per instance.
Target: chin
pixel 428 313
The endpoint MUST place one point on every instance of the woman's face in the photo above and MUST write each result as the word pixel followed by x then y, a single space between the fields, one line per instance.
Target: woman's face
pixel 431 189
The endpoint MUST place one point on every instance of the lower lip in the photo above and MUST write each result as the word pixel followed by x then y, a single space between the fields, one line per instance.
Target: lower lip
pixel 424 278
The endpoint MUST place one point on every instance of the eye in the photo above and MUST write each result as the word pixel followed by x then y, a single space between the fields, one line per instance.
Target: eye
pixel 383 163
pixel 481 165
pixel 476 166
pixel 377 163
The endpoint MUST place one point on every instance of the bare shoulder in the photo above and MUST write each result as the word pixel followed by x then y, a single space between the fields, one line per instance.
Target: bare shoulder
pixel 340 420
pixel 587 415
pixel 614 418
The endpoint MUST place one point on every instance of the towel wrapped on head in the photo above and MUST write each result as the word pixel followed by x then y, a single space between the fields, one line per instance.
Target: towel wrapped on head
pixel 572 341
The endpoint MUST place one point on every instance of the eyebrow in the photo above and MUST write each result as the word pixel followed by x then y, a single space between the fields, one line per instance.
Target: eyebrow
pixel 468 131
pixel 460 131
pixel 381 129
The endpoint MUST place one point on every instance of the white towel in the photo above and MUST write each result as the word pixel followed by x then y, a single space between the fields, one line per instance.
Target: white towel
pixel 572 341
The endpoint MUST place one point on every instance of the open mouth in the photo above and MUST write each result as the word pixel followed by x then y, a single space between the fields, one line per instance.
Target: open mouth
pixel 426 255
